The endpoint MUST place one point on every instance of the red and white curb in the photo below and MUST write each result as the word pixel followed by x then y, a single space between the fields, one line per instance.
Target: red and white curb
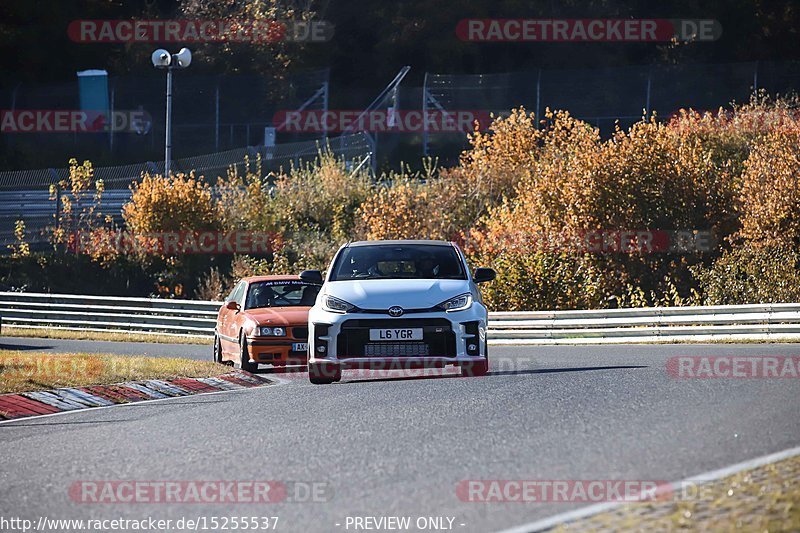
pixel 14 406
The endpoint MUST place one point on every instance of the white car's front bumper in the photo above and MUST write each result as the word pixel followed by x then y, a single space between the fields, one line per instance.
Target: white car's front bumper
pixel 452 338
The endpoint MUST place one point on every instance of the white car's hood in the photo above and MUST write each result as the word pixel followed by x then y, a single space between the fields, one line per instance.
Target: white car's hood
pixel 407 293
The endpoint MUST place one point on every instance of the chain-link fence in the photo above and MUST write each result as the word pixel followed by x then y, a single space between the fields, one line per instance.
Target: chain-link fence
pixel 603 96
pixel 210 114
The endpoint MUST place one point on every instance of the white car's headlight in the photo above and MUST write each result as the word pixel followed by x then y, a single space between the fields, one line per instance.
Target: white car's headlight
pixel 336 305
pixel 459 303
pixel 266 331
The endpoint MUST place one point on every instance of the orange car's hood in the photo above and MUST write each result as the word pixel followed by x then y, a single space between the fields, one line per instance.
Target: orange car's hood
pixel 279 316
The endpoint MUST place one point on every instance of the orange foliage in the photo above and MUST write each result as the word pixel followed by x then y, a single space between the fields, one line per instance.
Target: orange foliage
pixel 770 193
pixel 179 202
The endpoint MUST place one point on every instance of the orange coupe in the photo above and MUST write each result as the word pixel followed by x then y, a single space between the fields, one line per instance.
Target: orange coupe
pixel 264 320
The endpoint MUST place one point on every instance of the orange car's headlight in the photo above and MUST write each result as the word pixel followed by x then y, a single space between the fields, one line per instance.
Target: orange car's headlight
pixel 266 331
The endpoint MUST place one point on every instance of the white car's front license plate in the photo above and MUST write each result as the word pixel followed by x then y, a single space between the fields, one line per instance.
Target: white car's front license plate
pixel 299 346
pixel 396 334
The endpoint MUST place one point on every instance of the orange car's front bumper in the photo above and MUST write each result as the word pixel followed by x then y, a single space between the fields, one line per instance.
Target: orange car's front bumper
pixel 268 350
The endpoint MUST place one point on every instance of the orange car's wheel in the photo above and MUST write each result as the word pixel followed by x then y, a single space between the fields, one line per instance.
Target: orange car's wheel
pixel 217 350
pixel 244 357
pixel 218 353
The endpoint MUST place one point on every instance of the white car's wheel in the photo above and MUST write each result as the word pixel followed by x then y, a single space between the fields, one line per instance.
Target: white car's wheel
pixel 321 374
pixel 477 368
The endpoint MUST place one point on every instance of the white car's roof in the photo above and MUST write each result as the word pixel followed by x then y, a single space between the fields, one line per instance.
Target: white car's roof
pixel 398 242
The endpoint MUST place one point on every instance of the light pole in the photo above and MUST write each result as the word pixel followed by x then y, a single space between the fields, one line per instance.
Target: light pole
pixel 164 60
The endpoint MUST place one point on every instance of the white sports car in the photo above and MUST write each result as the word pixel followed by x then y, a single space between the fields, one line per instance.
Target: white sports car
pixel 397 305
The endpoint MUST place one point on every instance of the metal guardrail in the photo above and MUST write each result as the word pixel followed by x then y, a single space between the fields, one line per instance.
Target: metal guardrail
pixel 40 211
pixel 197 318
pixel 654 324
pixel 108 313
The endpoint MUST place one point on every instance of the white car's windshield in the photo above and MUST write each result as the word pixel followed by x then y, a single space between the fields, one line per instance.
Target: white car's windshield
pixel 412 261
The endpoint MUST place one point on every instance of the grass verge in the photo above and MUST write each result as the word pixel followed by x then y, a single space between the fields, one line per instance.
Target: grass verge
pixel 30 371
pixel 42 333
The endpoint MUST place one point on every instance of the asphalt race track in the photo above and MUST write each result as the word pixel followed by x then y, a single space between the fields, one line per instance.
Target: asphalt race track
pixel 384 446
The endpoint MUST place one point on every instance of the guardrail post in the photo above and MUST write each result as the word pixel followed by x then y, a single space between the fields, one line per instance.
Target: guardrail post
pixel 659 321
pixel 769 319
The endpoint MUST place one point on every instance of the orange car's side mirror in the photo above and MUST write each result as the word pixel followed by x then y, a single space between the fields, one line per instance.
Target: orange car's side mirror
pixel 233 306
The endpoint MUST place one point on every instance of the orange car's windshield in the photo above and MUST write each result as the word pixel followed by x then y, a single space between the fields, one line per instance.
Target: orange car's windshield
pixel 281 294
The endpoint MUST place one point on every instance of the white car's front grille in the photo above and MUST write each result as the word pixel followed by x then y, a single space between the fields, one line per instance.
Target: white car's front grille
pixel 438 338
pixel 405 349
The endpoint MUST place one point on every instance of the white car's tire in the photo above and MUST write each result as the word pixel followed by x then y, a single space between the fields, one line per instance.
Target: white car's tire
pixel 323 374
pixel 476 368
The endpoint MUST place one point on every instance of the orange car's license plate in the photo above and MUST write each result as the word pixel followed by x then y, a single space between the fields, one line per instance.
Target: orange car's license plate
pixel 299 346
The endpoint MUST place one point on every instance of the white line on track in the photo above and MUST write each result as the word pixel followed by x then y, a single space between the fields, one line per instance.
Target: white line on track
pixel 584 512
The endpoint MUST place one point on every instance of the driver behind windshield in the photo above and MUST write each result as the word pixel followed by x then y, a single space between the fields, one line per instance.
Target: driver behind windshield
pixel 260 296
pixel 427 267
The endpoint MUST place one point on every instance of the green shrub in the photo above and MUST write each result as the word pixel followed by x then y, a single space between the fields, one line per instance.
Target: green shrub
pixel 322 196
pixel 541 280
pixel 752 274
